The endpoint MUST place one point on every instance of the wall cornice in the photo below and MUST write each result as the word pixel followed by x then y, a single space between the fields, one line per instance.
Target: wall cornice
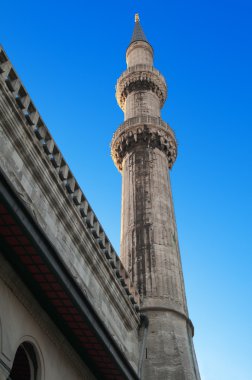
pixel 41 177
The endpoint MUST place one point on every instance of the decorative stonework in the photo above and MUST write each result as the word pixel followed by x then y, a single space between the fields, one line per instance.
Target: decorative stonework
pixel 152 135
pixel 13 92
pixel 140 79
pixel 143 148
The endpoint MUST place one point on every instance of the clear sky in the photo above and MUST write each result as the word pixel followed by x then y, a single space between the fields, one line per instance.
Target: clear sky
pixel 69 55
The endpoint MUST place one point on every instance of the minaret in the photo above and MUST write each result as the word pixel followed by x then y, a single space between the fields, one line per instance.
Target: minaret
pixel 144 149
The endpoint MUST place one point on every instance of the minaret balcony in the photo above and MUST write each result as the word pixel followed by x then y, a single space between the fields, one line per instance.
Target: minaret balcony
pixel 152 131
pixel 140 78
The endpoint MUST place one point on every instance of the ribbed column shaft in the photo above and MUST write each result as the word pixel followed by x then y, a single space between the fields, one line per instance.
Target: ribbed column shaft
pixel 149 248
pixel 150 252
pixel 142 103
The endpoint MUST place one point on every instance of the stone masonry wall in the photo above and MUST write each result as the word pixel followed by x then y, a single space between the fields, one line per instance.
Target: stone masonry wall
pixel 46 191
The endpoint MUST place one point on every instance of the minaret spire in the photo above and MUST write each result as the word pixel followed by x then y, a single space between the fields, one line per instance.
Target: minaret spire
pixel 144 148
pixel 138 33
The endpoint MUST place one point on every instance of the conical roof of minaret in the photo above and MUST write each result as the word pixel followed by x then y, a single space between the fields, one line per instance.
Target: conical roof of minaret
pixel 138 33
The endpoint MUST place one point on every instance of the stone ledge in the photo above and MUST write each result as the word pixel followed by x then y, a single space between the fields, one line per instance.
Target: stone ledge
pixel 156 135
pixel 28 112
pixel 140 77
pixel 152 120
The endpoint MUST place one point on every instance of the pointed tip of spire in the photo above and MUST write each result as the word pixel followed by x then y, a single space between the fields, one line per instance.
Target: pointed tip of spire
pixel 137 18
pixel 138 33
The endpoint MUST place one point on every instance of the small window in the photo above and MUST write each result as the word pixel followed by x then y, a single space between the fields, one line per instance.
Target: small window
pixel 25 365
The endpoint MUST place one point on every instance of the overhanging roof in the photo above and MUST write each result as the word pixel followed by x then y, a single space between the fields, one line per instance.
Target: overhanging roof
pixel 30 253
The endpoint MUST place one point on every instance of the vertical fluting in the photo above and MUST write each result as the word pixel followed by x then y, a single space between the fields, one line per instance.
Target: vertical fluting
pixel 144 149
pixel 149 247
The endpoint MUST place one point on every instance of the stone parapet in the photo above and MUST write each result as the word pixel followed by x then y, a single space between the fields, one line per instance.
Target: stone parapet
pixel 26 110
pixel 139 78
pixel 157 121
pixel 143 129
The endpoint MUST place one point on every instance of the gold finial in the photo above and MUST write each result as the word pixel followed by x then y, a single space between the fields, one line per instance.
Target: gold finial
pixel 137 19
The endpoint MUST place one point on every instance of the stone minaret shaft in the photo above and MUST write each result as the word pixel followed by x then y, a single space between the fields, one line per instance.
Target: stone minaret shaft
pixel 144 149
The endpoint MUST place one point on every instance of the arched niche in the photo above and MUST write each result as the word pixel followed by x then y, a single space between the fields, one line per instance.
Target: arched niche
pixel 26 364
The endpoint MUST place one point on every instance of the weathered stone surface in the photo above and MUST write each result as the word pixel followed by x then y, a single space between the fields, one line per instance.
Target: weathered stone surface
pixel 42 180
pixel 153 135
pixel 144 149
pixel 139 52
pixel 22 319
pixel 149 237
pixel 169 348
pixel 158 344
pixel 137 79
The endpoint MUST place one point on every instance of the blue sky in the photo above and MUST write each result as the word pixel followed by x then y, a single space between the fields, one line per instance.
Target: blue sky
pixel 69 56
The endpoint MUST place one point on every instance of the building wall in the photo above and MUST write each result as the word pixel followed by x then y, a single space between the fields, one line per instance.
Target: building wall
pixel 23 320
pixel 37 183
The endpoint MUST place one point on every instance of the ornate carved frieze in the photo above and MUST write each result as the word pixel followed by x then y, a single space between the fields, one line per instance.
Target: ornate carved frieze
pixel 152 135
pixel 138 80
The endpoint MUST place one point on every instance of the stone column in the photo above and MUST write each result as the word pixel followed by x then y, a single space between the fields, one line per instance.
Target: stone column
pixel 149 248
pixel 150 251
pixel 144 149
